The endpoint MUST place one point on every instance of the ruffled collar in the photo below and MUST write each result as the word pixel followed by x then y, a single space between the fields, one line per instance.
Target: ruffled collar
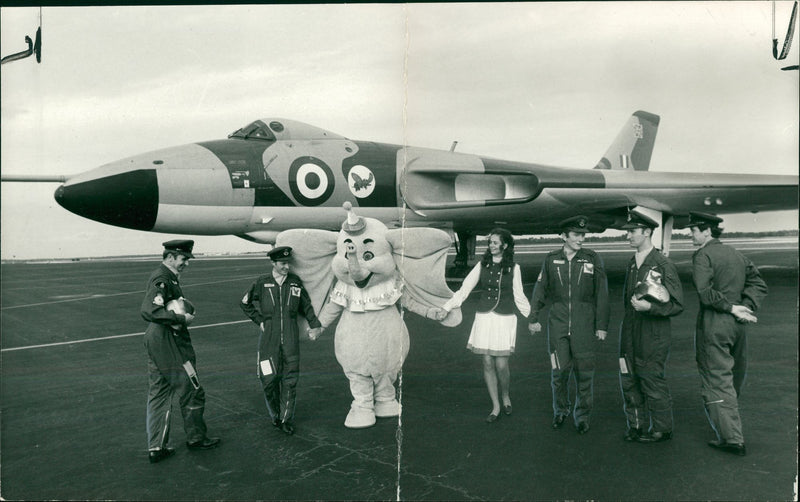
pixel 377 297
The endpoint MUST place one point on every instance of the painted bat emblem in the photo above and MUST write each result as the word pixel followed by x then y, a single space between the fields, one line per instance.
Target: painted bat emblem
pixel 360 183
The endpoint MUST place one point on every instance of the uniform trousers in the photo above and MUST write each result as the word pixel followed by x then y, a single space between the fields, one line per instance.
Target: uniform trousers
pixel 646 397
pixel 170 372
pixel 280 388
pixel 721 346
pixel 564 363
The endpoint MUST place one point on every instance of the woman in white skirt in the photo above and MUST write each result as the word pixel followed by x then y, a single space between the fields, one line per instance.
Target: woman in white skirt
pixel 494 331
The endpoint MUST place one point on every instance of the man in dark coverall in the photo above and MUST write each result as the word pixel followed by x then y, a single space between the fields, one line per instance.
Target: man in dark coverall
pixel 172 361
pixel 652 293
pixel 573 279
pixel 730 289
pixel 273 302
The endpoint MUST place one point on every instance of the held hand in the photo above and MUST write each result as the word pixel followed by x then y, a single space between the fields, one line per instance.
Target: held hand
pixel 436 314
pixel 534 327
pixel 743 314
pixel 313 333
pixel 189 318
pixel 640 305
pixel 600 334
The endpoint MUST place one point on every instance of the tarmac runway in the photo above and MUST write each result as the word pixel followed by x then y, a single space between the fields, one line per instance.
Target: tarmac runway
pixel 74 384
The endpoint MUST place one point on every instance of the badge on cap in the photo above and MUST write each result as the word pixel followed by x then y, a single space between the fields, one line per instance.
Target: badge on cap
pixel 281 253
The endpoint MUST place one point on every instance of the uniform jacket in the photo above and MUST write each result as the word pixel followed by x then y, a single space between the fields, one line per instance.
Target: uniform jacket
pixel 646 335
pixel 578 291
pixel 162 288
pixel 724 277
pixel 277 307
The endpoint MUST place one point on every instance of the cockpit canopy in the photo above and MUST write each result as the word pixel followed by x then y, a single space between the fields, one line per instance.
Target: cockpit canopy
pixel 254 130
pixel 272 129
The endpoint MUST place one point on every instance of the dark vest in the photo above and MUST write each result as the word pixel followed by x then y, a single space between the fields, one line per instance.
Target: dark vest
pixel 499 294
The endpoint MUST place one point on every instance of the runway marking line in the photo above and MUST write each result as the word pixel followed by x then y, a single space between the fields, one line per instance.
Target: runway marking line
pixel 94 296
pixel 127 335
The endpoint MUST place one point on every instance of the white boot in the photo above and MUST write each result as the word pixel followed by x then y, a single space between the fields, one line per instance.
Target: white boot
pixel 361 413
pixel 384 409
pixel 359 418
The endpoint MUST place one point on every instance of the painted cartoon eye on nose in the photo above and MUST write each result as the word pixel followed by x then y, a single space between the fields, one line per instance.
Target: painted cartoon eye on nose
pixel 368 256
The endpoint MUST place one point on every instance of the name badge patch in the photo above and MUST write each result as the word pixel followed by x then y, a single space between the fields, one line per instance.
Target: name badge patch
pixel 559 262
pixel 588 268
pixel 295 291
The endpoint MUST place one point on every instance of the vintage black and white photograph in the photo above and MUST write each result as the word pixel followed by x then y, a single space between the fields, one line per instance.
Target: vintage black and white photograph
pixel 400 251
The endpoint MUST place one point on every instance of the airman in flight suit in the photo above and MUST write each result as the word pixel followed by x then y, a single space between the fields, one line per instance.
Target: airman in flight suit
pixel 652 294
pixel 172 361
pixel 573 279
pixel 730 289
pixel 273 303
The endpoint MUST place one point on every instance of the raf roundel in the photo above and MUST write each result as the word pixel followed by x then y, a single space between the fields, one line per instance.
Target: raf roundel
pixel 311 181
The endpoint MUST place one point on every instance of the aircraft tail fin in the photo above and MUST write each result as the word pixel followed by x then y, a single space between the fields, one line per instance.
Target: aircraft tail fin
pixel 633 146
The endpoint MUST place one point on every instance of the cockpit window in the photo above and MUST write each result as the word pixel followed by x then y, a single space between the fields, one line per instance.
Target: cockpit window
pixel 255 130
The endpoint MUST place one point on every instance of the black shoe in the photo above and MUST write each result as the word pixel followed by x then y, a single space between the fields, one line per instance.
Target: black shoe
pixel 507 409
pixel 204 444
pixel 633 434
pixel 558 421
pixel 492 418
pixel 583 428
pixel 159 455
pixel 276 423
pixel 287 428
pixel 735 448
pixel 655 437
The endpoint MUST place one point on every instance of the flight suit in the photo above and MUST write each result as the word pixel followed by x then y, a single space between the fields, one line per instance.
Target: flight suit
pixel 171 363
pixel 723 277
pixel 644 346
pixel 277 306
pixel 578 291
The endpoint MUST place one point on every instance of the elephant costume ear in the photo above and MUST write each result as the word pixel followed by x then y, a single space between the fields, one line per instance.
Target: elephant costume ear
pixel 312 254
pixel 421 258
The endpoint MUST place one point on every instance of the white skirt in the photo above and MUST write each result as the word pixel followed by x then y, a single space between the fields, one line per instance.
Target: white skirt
pixel 493 334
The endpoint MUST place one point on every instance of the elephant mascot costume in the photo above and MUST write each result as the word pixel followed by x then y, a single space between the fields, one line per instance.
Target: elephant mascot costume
pixel 358 275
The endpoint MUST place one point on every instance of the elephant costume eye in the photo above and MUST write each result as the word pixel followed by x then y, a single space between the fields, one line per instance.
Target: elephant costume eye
pixel 368 255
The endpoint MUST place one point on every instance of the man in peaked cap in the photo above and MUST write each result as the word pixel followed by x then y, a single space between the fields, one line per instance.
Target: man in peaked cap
pixel 645 336
pixel 172 360
pixel 730 290
pixel 573 279
pixel 273 302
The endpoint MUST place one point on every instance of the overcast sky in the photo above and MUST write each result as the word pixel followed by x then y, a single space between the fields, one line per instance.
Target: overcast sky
pixel 538 82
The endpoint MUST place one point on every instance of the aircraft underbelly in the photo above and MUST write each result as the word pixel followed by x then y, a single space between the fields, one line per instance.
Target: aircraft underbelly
pixel 202 219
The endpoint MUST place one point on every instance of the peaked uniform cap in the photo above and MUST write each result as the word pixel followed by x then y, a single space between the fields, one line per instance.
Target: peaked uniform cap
pixel 578 223
pixel 698 219
pixel 183 247
pixel 280 253
pixel 636 220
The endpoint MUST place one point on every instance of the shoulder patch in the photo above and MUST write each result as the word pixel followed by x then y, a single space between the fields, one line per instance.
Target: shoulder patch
pixel 158 300
pixel 245 297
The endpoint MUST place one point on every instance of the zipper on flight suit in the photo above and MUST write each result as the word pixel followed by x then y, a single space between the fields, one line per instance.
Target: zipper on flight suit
pixel 569 297
pixel 280 306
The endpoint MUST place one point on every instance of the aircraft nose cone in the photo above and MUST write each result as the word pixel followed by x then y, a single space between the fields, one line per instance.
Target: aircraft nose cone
pixel 128 199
